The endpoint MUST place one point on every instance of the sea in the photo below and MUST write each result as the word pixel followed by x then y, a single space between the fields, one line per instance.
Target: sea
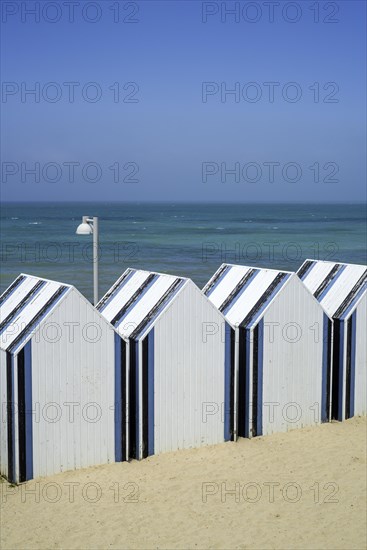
pixel 191 240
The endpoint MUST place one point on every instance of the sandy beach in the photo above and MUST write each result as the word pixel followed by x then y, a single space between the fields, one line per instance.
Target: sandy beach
pixel 302 489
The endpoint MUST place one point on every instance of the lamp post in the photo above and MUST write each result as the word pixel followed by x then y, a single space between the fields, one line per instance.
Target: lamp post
pixel 87 227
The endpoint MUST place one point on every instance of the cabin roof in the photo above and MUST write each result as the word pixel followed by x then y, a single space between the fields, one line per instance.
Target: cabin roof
pixel 24 304
pixel 136 300
pixel 242 293
pixel 337 286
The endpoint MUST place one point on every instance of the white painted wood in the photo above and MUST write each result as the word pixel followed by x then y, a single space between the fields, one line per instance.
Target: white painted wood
pixel 189 373
pixel 25 315
pixel 17 296
pixel 317 273
pixel 250 296
pixel 144 304
pixel 4 416
pixel 80 373
pixel 360 397
pixel 123 294
pixel 339 287
pixel 331 301
pixel 73 380
pixel 227 283
pixel 292 371
pixel 292 363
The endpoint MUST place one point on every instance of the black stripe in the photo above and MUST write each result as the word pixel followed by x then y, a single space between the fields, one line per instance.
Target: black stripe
pixel 237 290
pixel 155 309
pixel 145 396
pixel 123 400
pixel 31 324
pixel 21 417
pixel 343 306
pixel 10 416
pixel 242 384
pixel 133 298
pixel 304 268
pixel 231 384
pixel 214 279
pixel 327 280
pixel 336 367
pixel 132 401
pixel 26 298
pixel 329 367
pixel 10 289
pixel 263 299
pixel 113 288
pixel 255 369
pixel 348 367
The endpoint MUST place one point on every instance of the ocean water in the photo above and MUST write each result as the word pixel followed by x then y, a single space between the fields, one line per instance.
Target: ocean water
pixel 191 240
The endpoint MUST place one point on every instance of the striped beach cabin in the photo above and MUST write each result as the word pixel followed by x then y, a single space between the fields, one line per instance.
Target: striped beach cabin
pixel 342 291
pixel 57 381
pixel 176 371
pixel 281 364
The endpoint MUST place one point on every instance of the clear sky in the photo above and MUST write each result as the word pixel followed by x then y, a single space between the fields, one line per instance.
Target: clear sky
pixel 164 127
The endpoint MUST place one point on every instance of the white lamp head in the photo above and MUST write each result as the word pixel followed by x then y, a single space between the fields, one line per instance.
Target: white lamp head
pixel 84 229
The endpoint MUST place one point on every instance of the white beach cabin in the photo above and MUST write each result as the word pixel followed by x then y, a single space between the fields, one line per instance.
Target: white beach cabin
pixel 175 355
pixel 282 365
pixel 57 381
pixel 342 290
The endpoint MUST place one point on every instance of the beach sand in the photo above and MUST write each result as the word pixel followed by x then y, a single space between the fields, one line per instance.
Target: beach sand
pixel 302 489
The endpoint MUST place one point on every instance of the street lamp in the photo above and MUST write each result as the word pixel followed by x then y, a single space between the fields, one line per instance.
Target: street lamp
pixel 87 227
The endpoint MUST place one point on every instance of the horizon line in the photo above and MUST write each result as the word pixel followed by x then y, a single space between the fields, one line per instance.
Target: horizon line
pixel 179 202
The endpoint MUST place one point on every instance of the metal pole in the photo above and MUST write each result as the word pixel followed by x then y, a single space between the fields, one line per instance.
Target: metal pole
pixel 95 259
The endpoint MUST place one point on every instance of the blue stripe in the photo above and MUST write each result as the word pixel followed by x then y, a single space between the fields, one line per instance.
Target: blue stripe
pixel 137 411
pixel 353 320
pixel 28 409
pixel 227 383
pixel 259 428
pixel 232 303
pixel 219 280
pixel 331 283
pixel 151 393
pixel 11 423
pixel 112 297
pixel 309 269
pixel 258 314
pixel 27 331
pixel 137 300
pixel 341 371
pixel 164 304
pixel 354 301
pixel 11 289
pixel 22 306
pixel 247 396
pixel 325 368
pixel 118 400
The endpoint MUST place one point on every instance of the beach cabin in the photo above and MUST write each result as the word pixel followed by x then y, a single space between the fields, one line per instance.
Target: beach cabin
pixel 342 291
pixel 58 375
pixel 178 373
pixel 282 364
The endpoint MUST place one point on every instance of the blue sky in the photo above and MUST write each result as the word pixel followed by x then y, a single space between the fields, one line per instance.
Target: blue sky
pixel 169 142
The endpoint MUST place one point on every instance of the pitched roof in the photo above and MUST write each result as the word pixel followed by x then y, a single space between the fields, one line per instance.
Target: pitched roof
pixel 136 299
pixel 242 293
pixel 337 286
pixel 22 306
